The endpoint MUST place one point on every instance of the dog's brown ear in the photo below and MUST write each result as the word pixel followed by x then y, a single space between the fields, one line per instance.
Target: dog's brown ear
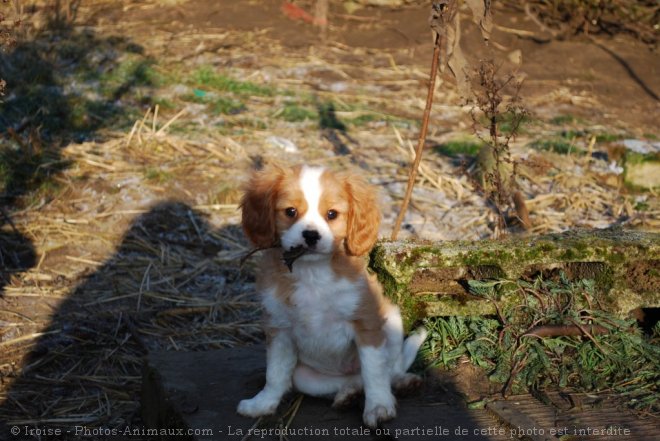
pixel 363 216
pixel 258 205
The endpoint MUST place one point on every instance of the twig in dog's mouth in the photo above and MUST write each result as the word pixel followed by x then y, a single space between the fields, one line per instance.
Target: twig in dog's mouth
pixel 290 256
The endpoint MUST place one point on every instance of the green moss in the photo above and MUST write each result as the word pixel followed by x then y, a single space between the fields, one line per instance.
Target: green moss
pixel 413 308
pixel 546 246
pixel 616 258
pixel 482 258
pixel 572 254
pixel 417 256
pixel 604 280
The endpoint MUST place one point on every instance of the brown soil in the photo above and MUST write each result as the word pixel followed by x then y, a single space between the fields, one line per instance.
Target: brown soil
pixel 613 81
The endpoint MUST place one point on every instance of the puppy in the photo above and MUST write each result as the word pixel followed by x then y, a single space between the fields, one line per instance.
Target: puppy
pixel 330 331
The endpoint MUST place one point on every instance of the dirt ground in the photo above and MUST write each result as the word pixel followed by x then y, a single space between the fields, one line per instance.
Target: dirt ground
pixel 124 234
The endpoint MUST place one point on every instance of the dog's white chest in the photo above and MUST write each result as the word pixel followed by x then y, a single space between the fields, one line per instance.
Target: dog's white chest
pixel 323 307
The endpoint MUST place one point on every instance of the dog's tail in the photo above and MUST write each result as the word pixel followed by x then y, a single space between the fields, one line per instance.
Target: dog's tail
pixel 411 345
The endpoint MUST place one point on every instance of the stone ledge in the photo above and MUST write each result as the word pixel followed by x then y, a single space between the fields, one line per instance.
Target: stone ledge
pixel 430 279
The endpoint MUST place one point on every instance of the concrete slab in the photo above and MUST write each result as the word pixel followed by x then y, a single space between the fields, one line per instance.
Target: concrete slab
pixel 193 396
pixel 199 391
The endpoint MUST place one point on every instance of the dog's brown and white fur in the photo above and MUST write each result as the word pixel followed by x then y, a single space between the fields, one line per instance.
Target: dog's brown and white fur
pixel 330 330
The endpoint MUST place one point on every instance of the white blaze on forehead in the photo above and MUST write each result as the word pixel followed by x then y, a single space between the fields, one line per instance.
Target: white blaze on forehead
pixel 310 183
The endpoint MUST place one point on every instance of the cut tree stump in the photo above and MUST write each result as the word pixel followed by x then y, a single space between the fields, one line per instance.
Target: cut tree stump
pixel 429 279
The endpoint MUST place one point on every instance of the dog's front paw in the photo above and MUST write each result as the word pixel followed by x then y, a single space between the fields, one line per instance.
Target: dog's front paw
pixel 379 412
pixel 258 406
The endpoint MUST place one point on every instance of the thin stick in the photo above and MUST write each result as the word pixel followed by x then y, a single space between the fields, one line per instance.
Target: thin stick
pixel 422 138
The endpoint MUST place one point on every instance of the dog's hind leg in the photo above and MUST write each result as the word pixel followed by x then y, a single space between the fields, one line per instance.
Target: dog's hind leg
pixel 350 394
pixel 312 382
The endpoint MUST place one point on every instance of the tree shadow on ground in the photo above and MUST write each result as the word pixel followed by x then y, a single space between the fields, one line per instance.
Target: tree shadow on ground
pixel 16 252
pixel 336 133
pixel 64 84
pixel 165 287
pixel 333 129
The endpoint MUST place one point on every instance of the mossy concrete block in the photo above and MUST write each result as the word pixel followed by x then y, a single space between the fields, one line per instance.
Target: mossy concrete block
pixel 431 278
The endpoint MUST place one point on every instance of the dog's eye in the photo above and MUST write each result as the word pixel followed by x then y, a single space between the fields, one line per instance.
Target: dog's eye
pixel 332 214
pixel 291 212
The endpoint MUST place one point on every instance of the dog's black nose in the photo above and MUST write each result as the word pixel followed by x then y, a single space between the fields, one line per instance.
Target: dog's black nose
pixel 311 237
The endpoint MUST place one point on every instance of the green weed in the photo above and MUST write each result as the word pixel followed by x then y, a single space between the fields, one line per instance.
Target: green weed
pixel 372 117
pixel 509 122
pixel 209 78
pixel 224 106
pixel 608 137
pixel 292 112
pixel 164 103
pixel 459 147
pixel 556 145
pixel 132 71
pixel 611 354
pixel 157 175
pixel 25 168
pixel 587 135
pixel 560 120
pixel 219 105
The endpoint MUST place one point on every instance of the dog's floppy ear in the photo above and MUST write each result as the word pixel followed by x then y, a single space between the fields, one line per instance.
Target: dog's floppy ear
pixel 363 216
pixel 258 205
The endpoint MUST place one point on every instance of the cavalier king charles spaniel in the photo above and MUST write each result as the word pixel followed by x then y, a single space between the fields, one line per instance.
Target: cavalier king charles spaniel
pixel 330 330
